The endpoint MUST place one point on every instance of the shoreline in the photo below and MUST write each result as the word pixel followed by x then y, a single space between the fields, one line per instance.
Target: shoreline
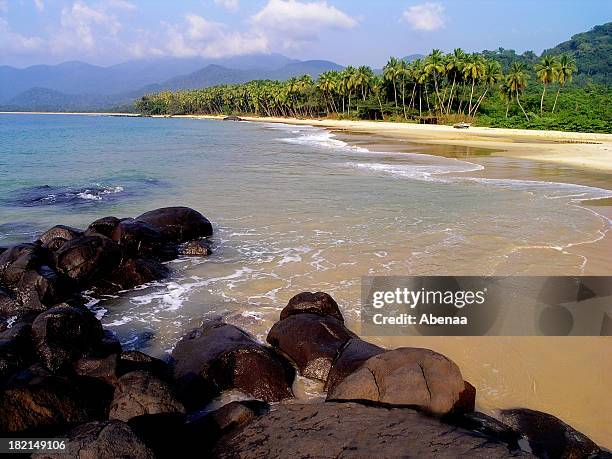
pixel 591 151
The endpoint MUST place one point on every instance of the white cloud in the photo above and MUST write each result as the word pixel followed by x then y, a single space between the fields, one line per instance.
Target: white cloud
pixel 293 22
pixel 119 5
pixel 40 5
pixel 425 16
pixel 198 36
pixel 230 5
pixel 3 6
pixel 14 43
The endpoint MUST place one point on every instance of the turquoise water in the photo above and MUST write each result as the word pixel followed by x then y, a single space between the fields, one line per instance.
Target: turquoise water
pixel 293 208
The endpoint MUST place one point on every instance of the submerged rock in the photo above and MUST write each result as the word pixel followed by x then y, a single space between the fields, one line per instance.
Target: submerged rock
pixel 414 377
pixel 197 248
pixel 349 430
pixel 178 224
pixel 548 436
pixel 311 341
pixel 218 356
pixel 131 273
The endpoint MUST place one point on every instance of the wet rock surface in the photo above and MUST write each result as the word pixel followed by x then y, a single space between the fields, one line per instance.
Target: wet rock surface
pixel 350 430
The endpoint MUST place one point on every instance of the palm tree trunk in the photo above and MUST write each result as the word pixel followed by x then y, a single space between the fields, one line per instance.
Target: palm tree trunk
pixel 542 100
pixel 404 99
pixel 479 101
pixel 519 103
pixel 556 97
pixel 382 114
pixel 412 97
pixel 420 102
pixel 507 107
pixel 395 92
pixel 450 96
pixel 471 96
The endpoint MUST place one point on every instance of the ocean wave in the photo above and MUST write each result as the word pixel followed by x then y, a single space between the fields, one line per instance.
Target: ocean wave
pixel 427 172
pixel 317 137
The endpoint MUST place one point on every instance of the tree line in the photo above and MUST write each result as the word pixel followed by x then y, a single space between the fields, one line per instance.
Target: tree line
pixel 434 88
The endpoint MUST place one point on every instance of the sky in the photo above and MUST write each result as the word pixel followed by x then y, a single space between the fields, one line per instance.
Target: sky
pixel 106 32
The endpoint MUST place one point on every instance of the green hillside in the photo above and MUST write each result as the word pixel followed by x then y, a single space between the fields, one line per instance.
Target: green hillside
pixel 592 52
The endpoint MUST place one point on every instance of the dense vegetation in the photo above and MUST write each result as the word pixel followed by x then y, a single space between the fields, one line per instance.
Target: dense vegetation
pixel 437 89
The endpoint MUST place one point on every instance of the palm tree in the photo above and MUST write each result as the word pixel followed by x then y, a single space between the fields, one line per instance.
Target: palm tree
pixel 491 76
pixel 390 74
pixel 363 76
pixel 454 67
pixel 546 72
pixel 506 93
pixel 473 69
pixel 434 65
pixel 349 84
pixel 517 81
pixel 377 85
pixel 565 73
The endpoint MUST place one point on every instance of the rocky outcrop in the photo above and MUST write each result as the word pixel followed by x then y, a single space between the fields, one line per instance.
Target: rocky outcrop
pixel 548 436
pixel 318 303
pixel 86 258
pixel 138 393
pixel 311 341
pixel 406 377
pixel 354 353
pixel 102 439
pixel 218 356
pixel 178 224
pixel 347 430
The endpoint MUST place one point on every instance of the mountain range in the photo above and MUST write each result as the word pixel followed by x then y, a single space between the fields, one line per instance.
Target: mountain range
pixel 80 86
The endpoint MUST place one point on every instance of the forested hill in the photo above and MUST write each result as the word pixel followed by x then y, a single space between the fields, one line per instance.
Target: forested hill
pixel 592 52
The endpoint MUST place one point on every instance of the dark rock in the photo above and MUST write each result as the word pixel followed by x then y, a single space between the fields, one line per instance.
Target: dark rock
pixel 218 356
pixel 548 436
pixel 101 439
pixel 104 226
pixel 63 334
pixel 137 361
pixel 8 304
pixel 319 303
pixel 35 401
pixel 413 377
pixel 489 426
pixel 88 257
pixel 311 341
pixel 232 118
pixel 139 393
pixel 17 260
pixel 196 248
pixel 137 238
pixel 103 368
pixel 352 355
pixel 178 224
pixel 3 249
pixel 349 430
pixel 15 349
pixel 108 345
pixel 39 289
pixel 54 244
pixel 60 231
pixel 467 400
pixel 131 273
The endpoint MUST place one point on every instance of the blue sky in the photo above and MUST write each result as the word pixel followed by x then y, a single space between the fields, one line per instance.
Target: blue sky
pixel 346 31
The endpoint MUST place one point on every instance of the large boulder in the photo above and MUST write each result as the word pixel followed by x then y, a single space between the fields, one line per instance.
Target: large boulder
pixel 40 288
pixel 63 334
pixel 349 430
pixel 59 232
pixel 19 259
pixel 139 393
pixel 352 355
pixel 104 226
pixel 548 436
pixel 102 368
pixel 414 377
pixel 178 224
pixel 319 303
pixel 37 402
pixel 311 341
pixel 131 273
pixel 86 258
pixel 218 356
pixel 101 439
pixel 137 238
